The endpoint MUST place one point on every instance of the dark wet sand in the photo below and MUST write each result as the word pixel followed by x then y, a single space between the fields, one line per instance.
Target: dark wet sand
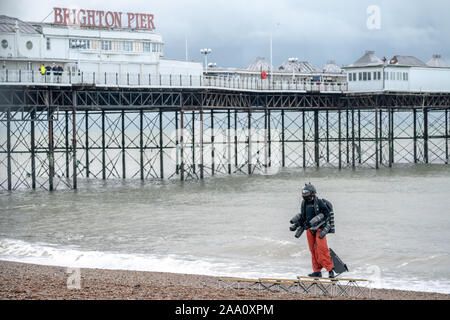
pixel 35 282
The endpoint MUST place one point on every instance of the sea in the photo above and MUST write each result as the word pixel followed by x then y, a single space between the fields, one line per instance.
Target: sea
pixel 392 225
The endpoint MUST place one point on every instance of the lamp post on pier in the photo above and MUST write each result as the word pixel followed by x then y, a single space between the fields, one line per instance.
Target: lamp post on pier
pixel 206 51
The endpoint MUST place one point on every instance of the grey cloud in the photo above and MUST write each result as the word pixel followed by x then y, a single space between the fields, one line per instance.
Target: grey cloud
pixel 317 31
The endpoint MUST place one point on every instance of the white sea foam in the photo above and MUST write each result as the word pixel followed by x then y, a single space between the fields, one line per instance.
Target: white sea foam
pixel 49 254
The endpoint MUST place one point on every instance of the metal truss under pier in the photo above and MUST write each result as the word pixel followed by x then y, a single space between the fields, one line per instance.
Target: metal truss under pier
pixel 51 138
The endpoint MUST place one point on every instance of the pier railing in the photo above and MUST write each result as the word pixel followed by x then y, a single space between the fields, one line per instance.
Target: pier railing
pixel 29 77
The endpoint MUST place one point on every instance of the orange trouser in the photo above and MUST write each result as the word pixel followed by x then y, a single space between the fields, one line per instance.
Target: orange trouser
pixel 319 252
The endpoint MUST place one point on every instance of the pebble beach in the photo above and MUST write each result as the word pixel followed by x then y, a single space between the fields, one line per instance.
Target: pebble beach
pixel 21 281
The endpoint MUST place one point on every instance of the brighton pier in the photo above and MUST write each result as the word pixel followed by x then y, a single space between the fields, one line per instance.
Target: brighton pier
pixel 53 136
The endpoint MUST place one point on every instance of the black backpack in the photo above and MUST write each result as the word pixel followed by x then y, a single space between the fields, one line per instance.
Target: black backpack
pixel 330 208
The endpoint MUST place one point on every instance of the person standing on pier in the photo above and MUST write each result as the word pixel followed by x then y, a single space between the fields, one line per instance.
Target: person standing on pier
pixel 316 218
pixel 42 70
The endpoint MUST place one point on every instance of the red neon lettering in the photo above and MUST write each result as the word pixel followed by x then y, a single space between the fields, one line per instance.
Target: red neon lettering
pixel 109 22
pixel 144 24
pixel 118 19
pixel 58 16
pixel 151 26
pixel 82 20
pixel 66 13
pixel 130 18
pixel 90 18
pixel 100 15
pixel 74 17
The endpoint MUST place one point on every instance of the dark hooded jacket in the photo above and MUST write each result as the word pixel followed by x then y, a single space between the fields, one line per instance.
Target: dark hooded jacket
pixel 310 211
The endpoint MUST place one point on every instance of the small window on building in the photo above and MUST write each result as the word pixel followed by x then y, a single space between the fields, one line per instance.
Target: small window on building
pixel 350 77
pixel 369 76
pixel 48 44
pixel 364 76
pixel 95 44
pixel 4 43
pixel 116 46
pixel 406 74
pixel 360 76
pixel 146 46
pixel 137 46
pixel 127 46
pixel 29 45
pixel 106 45
pixel 379 75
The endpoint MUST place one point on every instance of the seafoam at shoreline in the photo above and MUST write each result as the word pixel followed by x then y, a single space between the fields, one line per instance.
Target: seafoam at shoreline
pixel 49 255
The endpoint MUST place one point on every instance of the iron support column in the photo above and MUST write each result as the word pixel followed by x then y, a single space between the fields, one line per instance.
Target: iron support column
pixel 87 142
pixel 51 153
pixel 141 143
pixel 33 150
pixel 316 139
pixel 74 142
pixel 103 147
pixel 161 145
pixel 425 134
pixel 8 148
pixel 124 168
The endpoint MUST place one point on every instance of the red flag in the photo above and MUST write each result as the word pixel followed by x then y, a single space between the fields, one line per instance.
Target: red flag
pixel 263 74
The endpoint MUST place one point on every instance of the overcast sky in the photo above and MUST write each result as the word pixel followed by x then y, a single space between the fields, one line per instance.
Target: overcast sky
pixel 239 30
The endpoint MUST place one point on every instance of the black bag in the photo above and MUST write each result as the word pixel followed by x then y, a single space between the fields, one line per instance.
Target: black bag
pixel 338 265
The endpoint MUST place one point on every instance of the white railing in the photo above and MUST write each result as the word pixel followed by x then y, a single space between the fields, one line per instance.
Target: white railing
pixel 165 80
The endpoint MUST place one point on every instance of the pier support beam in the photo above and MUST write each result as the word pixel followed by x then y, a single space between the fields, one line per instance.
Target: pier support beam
pixel 381 136
pixel 51 153
pixel 415 135
pixel 124 168
pixel 425 134
pixel 359 137
pixel 86 119
pixel 340 139
pixel 390 135
pixel 181 145
pixel 177 145
pixel 353 139
pixel 8 148
pixel 283 158
pixel 327 136
pixel 303 139
pixel 235 141
pixel 269 135
pixel 447 133
pixel 229 140
pixel 249 142
pixel 201 144
pixel 316 139
pixel 193 143
pixel 66 136
pixel 33 150
pixel 161 146
pixel 376 139
pixel 103 147
pixel 141 143
pixel 74 142
pixel 213 165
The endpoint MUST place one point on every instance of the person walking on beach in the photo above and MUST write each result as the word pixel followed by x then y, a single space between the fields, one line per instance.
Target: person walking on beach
pixel 316 218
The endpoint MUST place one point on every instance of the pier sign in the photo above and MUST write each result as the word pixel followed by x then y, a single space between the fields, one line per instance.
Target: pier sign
pixel 108 19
